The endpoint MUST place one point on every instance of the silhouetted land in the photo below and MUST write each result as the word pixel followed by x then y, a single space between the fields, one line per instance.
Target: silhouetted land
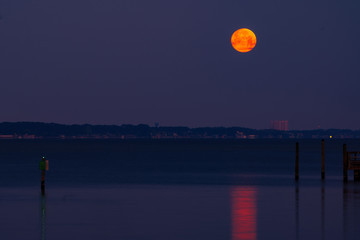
pixel 30 130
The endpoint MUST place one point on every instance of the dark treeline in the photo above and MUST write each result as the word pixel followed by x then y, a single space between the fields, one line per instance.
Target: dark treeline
pixel 53 130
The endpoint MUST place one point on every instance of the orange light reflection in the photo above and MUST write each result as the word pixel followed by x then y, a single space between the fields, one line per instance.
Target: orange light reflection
pixel 243 201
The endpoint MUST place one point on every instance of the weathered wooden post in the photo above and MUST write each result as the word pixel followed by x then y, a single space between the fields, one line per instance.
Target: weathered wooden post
pixel 356 170
pixel 322 159
pixel 357 175
pixel 345 164
pixel 44 166
pixel 297 162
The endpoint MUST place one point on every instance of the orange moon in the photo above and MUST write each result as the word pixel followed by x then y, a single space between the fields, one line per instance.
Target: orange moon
pixel 243 40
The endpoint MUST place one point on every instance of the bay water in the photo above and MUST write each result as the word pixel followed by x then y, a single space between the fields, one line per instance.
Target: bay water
pixel 176 189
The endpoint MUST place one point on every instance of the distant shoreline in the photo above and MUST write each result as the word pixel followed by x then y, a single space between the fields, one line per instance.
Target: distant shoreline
pixel 39 130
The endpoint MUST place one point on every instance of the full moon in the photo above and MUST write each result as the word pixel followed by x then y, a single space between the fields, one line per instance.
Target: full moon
pixel 243 40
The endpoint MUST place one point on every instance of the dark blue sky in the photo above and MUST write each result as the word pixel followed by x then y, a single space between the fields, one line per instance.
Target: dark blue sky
pixel 141 61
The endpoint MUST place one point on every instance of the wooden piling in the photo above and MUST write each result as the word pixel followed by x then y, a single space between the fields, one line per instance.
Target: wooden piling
pixel 297 162
pixel 345 164
pixel 356 175
pixel 322 159
pixel 356 171
pixel 42 182
pixel 44 166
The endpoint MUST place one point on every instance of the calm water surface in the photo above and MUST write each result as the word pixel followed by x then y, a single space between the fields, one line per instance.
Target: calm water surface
pixel 136 190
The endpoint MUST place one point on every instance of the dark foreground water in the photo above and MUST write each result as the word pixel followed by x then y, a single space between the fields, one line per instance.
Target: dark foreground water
pixel 163 190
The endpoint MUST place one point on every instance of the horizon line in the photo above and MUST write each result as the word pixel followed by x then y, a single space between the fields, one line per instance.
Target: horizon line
pixel 179 126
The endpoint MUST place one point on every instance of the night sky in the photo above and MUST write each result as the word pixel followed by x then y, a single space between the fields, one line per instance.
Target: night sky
pixel 141 61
